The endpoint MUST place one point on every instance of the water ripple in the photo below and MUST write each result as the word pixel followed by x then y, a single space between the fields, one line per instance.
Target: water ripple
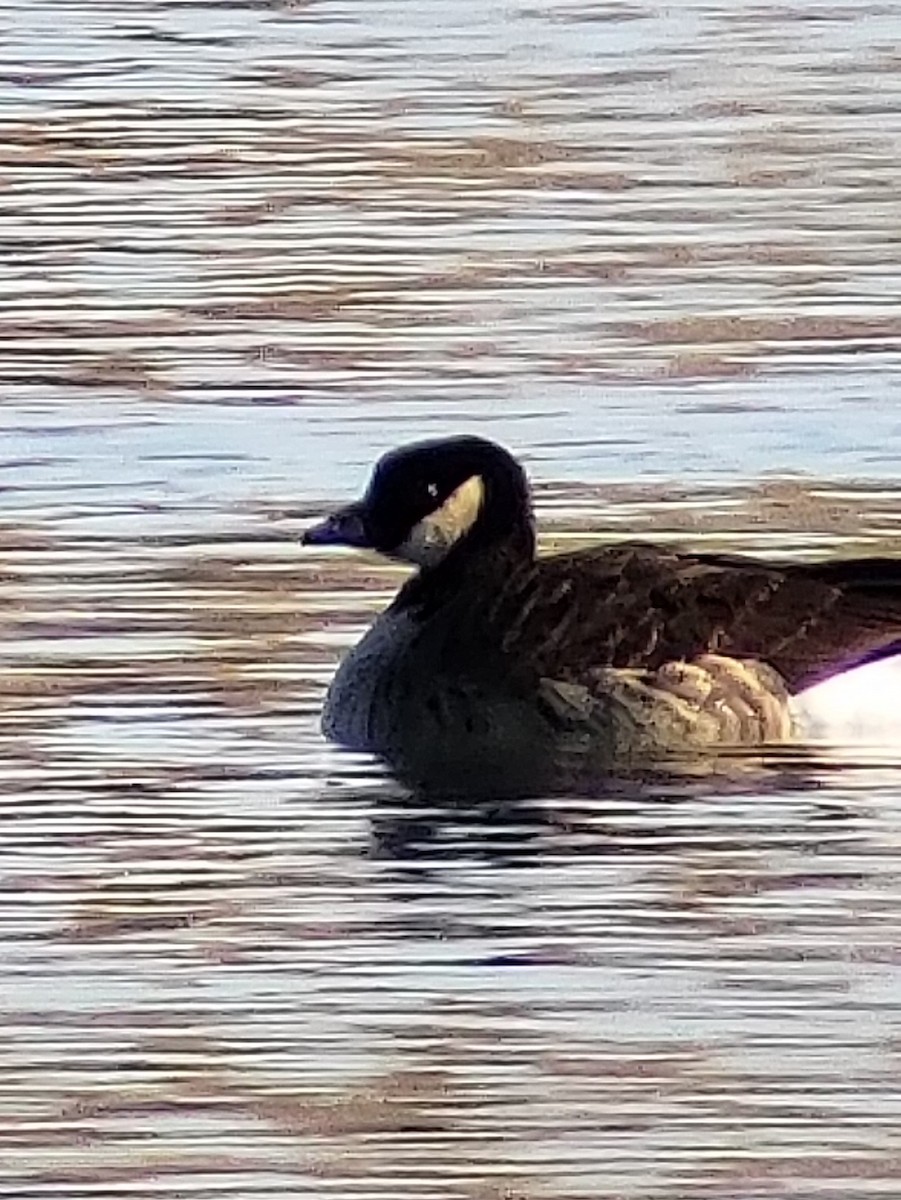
pixel 248 244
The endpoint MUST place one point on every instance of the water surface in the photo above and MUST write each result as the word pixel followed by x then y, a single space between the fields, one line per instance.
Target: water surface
pixel 248 246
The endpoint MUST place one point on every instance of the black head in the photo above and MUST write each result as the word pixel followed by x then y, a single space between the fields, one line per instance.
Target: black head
pixel 424 499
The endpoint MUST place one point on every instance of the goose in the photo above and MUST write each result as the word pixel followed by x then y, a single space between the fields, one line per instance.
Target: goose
pixel 496 670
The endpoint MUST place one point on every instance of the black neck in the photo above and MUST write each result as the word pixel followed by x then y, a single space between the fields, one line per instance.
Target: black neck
pixel 506 517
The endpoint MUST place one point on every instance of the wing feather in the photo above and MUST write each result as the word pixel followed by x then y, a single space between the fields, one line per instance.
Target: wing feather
pixel 641 606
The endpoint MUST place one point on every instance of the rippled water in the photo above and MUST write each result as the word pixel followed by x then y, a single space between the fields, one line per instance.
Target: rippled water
pixel 247 246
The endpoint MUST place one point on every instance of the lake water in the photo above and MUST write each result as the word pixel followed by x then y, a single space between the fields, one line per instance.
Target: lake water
pixel 246 247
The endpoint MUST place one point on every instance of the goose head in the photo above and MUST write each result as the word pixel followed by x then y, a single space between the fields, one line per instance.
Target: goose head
pixel 430 499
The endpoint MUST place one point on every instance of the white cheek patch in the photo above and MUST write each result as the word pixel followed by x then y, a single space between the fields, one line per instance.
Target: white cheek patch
pixel 432 537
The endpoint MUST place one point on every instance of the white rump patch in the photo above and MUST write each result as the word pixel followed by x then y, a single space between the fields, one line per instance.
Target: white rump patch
pixel 432 537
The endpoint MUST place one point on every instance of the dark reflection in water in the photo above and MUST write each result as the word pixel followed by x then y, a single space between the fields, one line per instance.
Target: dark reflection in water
pixel 247 245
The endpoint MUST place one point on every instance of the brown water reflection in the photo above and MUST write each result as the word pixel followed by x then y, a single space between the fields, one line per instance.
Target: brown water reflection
pixel 248 245
pixel 220 200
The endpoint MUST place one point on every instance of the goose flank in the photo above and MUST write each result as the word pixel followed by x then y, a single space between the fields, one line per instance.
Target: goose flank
pixel 495 670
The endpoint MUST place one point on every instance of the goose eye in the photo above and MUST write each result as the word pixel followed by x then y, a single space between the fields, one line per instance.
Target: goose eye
pixel 432 491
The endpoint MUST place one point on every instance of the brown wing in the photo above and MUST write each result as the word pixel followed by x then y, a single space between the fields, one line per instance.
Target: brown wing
pixel 641 606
